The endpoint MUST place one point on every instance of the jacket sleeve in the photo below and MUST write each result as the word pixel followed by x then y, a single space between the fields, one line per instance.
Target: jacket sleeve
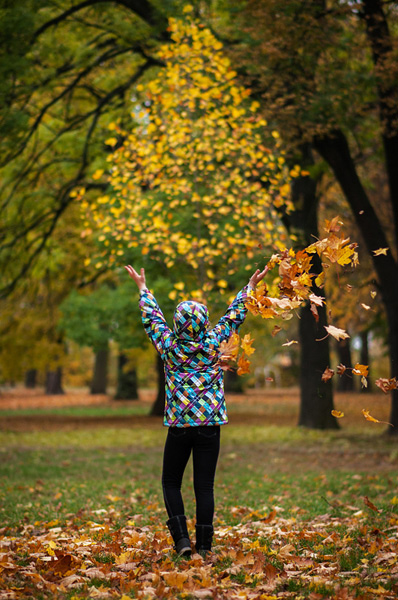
pixel 154 322
pixel 233 318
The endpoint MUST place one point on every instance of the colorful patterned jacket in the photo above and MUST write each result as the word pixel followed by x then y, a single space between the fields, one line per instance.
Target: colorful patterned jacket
pixel 190 352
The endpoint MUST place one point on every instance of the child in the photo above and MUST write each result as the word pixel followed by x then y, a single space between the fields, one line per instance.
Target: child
pixel 195 405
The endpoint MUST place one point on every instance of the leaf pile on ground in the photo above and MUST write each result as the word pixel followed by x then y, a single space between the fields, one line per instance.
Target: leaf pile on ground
pixel 265 556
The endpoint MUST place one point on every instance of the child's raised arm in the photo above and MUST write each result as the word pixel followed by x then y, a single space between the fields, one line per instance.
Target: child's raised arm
pixel 139 279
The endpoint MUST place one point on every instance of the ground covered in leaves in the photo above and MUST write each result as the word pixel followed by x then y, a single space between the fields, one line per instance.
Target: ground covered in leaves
pixel 299 514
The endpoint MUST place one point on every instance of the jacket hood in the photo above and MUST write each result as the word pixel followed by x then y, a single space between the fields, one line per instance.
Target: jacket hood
pixel 190 320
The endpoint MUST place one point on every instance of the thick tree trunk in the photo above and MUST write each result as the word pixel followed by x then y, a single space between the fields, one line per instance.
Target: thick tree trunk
pixel 31 378
pixel 54 382
pixel 157 409
pixel 126 381
pixel 100 373
pixel 345 382
pixel 316 397
pixel 335 151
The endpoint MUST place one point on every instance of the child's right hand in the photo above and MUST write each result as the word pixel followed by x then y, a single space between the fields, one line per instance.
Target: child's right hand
pixel 257 277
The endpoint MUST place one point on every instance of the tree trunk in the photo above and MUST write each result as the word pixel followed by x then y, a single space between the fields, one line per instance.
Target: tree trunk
pixel 31 378
pixel 233 382
pixel 54 382
pixel 316 397
pixel 364 359
pixel 100 374
pixel 126 381
pixel 345 382
pixel 157 409
pixel 335 151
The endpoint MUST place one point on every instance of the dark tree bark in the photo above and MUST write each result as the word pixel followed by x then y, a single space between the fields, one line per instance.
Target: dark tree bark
pixel 316 397
pixel 126 381
pixel 365 359
pixel 54 382
pixel 31 378
pixel 157 409
pixel 100 374
pixel 233 382
pixel 335 151
pixel 345 382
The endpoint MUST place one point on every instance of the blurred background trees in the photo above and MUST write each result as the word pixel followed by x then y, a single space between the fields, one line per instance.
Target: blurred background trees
pixel 324 76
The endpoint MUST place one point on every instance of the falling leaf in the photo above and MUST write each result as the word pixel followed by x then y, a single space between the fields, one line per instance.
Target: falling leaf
pixel 327 374
pixel 341 369
pixel 365 306
pixel 348 287
pixel 360 370
pixel 276 330
pixel 380 251
pixel 338 414
pixel 364 382
pixel 318 300
pixel 373 294
pixel 386 385
pixel 369 417
pixel 290 343
pixel 338 334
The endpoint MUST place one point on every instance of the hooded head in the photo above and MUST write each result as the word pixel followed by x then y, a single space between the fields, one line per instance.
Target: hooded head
pixel 190 320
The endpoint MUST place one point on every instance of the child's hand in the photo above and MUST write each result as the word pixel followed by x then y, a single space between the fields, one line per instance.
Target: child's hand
pixel 257 277
pixel 139 279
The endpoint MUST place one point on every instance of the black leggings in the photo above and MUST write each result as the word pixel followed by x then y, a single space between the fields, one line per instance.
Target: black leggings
pixel 204 442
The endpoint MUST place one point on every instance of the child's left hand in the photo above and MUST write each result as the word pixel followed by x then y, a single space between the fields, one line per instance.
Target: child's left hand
pixel 139 279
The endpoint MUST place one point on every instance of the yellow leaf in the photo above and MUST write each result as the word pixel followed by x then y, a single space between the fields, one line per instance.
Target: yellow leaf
pixel 111 141
pixel 369 417
pixel 179 286
pixel 380 251
pixel 98 173
pixel 338 414
pixel 247 345
pixel 222 283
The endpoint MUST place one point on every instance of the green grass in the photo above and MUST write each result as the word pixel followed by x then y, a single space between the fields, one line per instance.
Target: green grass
pixel 48 475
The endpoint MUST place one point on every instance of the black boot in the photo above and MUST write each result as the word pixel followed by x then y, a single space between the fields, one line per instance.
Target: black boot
pixel 179 532
pixel 204 536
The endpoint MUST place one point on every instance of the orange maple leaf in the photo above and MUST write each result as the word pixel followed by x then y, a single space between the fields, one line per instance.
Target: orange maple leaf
pixel 243 365
pixel 360 370
pixel 369 417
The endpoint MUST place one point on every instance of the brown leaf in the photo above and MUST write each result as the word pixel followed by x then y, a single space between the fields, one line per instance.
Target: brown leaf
pixel 276 330
pixel 386 385
pixel 327 374
pixel 370 504
pixel 341 369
